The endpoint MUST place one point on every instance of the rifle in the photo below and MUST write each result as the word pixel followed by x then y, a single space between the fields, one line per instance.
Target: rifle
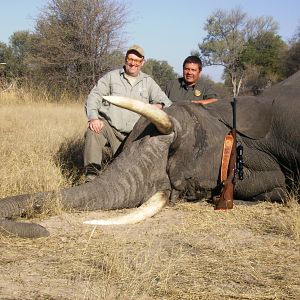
pixel 235 165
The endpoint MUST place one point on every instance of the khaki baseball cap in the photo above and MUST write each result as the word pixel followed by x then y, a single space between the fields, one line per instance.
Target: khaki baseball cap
pixel 137 49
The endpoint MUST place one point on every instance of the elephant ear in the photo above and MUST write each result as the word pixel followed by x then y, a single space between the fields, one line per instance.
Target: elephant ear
pixel 253 115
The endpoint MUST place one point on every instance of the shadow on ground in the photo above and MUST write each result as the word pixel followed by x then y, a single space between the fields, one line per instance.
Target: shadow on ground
pixel 69 158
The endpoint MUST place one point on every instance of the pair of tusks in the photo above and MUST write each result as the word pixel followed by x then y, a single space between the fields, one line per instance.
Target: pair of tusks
pixel 165 126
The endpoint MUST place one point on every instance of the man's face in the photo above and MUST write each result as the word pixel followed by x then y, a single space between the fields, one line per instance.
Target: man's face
pixel 133 64
pixel 191 73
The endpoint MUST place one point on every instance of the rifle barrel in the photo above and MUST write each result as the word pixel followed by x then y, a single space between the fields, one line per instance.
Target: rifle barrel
pixel 234 113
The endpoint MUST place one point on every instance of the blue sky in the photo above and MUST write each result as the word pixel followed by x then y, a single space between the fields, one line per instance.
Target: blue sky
pixel 167 29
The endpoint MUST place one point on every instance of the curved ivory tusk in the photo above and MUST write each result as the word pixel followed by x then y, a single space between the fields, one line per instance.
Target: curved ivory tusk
pixel 151 207
pixel 157 116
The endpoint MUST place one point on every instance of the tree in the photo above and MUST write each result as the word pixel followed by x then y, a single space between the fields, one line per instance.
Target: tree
pixel 291 61
pixel 7 66
pixel 227 38
pixel 3 49
pixel 262 60
pixel 76 41
pixel 160 71
pixel 4 53
pixel 20 44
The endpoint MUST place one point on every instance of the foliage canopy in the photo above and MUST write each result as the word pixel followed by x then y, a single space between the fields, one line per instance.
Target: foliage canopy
pixel 234 41
pixel 161 71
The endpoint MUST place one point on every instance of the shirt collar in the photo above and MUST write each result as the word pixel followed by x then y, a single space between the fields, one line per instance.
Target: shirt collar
pixel 183 84
pixel 139 77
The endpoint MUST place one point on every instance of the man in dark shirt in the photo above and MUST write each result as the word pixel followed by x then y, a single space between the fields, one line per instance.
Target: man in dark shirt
pixel 190 86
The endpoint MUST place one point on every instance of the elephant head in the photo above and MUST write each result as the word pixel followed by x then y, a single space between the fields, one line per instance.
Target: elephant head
pixel 178 154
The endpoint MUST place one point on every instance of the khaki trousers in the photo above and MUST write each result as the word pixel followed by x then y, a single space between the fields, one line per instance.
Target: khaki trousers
pixel 96 144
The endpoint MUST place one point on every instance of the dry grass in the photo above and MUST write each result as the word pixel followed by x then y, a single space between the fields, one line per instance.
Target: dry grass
pixel 188 251
pixel 40 142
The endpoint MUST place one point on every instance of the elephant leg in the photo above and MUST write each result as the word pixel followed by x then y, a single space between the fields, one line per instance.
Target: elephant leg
pixel 261 185
pixel 276 195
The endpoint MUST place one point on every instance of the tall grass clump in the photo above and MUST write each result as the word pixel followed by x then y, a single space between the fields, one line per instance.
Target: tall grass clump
pixel 38 137
pixel 27 92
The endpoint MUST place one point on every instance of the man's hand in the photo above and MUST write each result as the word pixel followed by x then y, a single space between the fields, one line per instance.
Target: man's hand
pixel 157 106
pixel 96 125
pixel 205 101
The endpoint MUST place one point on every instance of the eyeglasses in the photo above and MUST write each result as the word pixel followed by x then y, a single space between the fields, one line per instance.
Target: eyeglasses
pixel 135 62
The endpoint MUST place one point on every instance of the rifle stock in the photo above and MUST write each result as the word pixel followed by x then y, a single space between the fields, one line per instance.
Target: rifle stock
pixel 225 200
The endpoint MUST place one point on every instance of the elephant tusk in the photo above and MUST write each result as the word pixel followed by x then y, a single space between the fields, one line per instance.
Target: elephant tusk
pixel 151 207
pixel 157 116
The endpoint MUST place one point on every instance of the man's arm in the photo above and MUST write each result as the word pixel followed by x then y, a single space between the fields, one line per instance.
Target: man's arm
pixel 94 100
pixel 157 96
pixel 168 88
pixel 205 101
pixel 210 93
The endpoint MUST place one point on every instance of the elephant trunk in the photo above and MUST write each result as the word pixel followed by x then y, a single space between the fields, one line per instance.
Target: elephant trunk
pixel 18 205
pixel 133 177
pixel 26 230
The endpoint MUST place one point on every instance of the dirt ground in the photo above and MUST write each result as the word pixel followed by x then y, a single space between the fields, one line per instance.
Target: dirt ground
pixel 187 251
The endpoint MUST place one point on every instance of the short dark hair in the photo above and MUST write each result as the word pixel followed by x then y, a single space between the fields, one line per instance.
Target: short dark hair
pixel 193 59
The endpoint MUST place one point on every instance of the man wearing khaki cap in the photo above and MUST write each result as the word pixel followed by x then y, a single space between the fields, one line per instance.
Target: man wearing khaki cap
pixel 109 125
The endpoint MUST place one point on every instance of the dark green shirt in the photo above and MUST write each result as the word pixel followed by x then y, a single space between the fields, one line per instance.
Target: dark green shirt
pixel 177 90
